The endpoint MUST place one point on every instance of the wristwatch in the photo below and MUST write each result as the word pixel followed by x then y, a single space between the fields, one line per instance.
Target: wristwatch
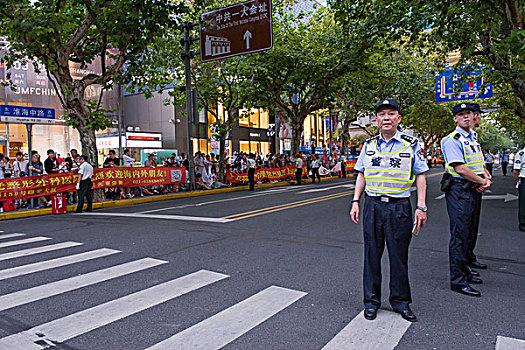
pixel 423 209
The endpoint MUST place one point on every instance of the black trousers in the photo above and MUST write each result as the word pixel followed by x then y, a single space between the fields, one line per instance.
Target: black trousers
pixel 390 223
pixel 85 191
pixel 298 175
pixel 251 178
pixel 474 228
pixel 461 205
pixel 504 167
pixel 521 210
pixel 315 172
pixel 489 167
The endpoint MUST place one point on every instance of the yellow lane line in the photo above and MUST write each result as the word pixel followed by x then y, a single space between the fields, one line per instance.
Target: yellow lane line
pixel 436 174
pixel 278 206
pixel 343 194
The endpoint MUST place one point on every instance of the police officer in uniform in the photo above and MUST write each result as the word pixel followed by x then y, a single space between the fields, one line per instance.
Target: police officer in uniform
pixel 388 165
pixel 519 173
pixel 465 174
pixel 251 171
pixel 472 260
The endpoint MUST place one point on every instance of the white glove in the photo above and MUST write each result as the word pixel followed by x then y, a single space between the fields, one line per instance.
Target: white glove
pixel 78 186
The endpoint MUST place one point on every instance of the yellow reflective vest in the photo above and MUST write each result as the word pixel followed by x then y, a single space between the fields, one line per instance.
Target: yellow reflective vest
pixel 472 153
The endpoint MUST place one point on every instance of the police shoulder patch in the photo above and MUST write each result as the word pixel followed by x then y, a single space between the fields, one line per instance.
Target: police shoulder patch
pixel 370 153
pixel 457 136
pixel 521 153
pixel 517 161
pixel 410 139
pixel 372 138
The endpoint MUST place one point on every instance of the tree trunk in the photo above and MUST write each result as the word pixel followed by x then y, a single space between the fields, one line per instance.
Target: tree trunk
pixel 222 161
pixel 345 134
pixel 297 132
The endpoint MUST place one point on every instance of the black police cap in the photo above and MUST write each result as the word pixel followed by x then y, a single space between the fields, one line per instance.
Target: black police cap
pixel 388 102
pixel 477 108
pixel 461 107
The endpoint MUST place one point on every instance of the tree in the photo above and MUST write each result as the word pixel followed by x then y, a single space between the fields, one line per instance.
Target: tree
pixel 223 85
pixel 485 33
pixel 492 138
pixel 54 33
pixel 295 77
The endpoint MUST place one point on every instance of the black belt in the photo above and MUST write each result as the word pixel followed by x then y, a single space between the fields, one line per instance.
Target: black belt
pixel 386 199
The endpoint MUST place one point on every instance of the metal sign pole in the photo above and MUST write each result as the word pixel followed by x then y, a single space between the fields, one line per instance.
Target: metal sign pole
pixel 29 128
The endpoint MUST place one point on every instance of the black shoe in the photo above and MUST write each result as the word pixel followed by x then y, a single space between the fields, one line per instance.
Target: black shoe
pixel 78 211
pixel 370 313
pixel 475 280
pixel 474 273
pixel 407 314
pixel 477 265
pixel 468 290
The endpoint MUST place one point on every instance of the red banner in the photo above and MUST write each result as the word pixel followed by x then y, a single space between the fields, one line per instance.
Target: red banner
pixel 38 186
pixel 274 174
pixel 350 164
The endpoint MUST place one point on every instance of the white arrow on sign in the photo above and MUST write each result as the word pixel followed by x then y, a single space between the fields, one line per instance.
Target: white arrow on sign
pixel 506 197
pixel 247 37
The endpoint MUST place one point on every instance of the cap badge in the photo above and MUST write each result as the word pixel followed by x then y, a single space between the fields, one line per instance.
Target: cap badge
pixel 385 102
pixel 463 105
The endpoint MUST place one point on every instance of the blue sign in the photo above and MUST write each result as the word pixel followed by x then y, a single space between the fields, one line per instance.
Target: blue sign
pixel 471 90
pixel 22 114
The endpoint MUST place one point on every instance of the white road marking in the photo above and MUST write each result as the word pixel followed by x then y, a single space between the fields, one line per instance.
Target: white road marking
pixel 24 241
pixel 25 296
pixel 53 263
pixel 441 196
pixel 506 197
pixel 213 202
pixel 11 235
pixel 506 343
pixel 38 250
pixel 383 333
pixel 165 217
pixel 76 324
pixel 228 325
pixel 327 188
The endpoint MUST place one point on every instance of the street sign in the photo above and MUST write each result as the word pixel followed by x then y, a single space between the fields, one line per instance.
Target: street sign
pixel 236 30
pixel 271 130
pixel 27 115
pixel 471 89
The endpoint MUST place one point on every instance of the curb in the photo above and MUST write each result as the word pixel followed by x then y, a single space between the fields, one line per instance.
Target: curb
pixel 127 202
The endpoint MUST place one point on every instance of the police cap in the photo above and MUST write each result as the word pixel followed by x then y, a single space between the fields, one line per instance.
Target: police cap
pixel 388 102
pixel 461 107
pixel 477 108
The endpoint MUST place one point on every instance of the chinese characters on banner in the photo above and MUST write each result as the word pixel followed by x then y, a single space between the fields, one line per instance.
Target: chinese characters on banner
pixel 265 174
pixel 37 186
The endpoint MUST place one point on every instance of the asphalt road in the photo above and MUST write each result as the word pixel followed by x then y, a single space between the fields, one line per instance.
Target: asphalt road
pixel 272 269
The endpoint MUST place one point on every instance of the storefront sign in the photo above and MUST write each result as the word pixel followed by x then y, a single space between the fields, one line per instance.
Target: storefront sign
pixel 265 174
pixel 37 186
pixel 22 114
pixel 143 140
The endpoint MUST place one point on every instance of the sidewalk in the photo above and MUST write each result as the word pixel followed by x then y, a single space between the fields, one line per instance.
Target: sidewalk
pixel 127 202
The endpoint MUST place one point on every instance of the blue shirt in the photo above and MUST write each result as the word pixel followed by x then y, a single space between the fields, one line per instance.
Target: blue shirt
pixel 419 166
pixel 453 149
pixel 505 157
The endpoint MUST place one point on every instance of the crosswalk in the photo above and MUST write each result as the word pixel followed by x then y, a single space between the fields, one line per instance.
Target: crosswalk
pixel 214 332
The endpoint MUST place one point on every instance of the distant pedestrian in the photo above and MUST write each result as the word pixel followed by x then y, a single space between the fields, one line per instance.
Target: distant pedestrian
pixel 388 165
pixel 298 168
pixel 84 184
pixel 251 171
pixel 489 161
pixel 519 173
pixel 504 162
pixel 316 164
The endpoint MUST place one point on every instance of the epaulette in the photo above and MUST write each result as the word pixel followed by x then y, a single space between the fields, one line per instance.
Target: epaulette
pixel 410 139
pixel 372 138
pixel 457 136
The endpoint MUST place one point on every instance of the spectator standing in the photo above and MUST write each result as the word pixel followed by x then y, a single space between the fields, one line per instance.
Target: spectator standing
pixel 251 171
pixel 315 168
pixel 20 165
pixel 38 169
pixel 2 166
pixel 128 160
pixel 8 170
pixel 84 184
pixel 112 160
pixel 504 162
pixel 73 162
pixel 298 169
pixel 51 164
pixel 150 162
pixel 489 161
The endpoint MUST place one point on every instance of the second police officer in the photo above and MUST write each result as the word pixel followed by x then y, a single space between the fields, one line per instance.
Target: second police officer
pixel 388 166
pixel 465 175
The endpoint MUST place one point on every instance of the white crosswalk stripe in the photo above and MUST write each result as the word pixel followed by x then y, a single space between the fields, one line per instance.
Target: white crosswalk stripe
pixel 82 322
pixel 226 326
pixel 38 250
pixel 11 235
pixel 24 241
pixel 506 343
pixel 53 263
pixel 383 333
pixel 25 296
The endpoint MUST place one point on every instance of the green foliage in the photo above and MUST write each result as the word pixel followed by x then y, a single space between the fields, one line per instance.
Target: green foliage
pixel 492 138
